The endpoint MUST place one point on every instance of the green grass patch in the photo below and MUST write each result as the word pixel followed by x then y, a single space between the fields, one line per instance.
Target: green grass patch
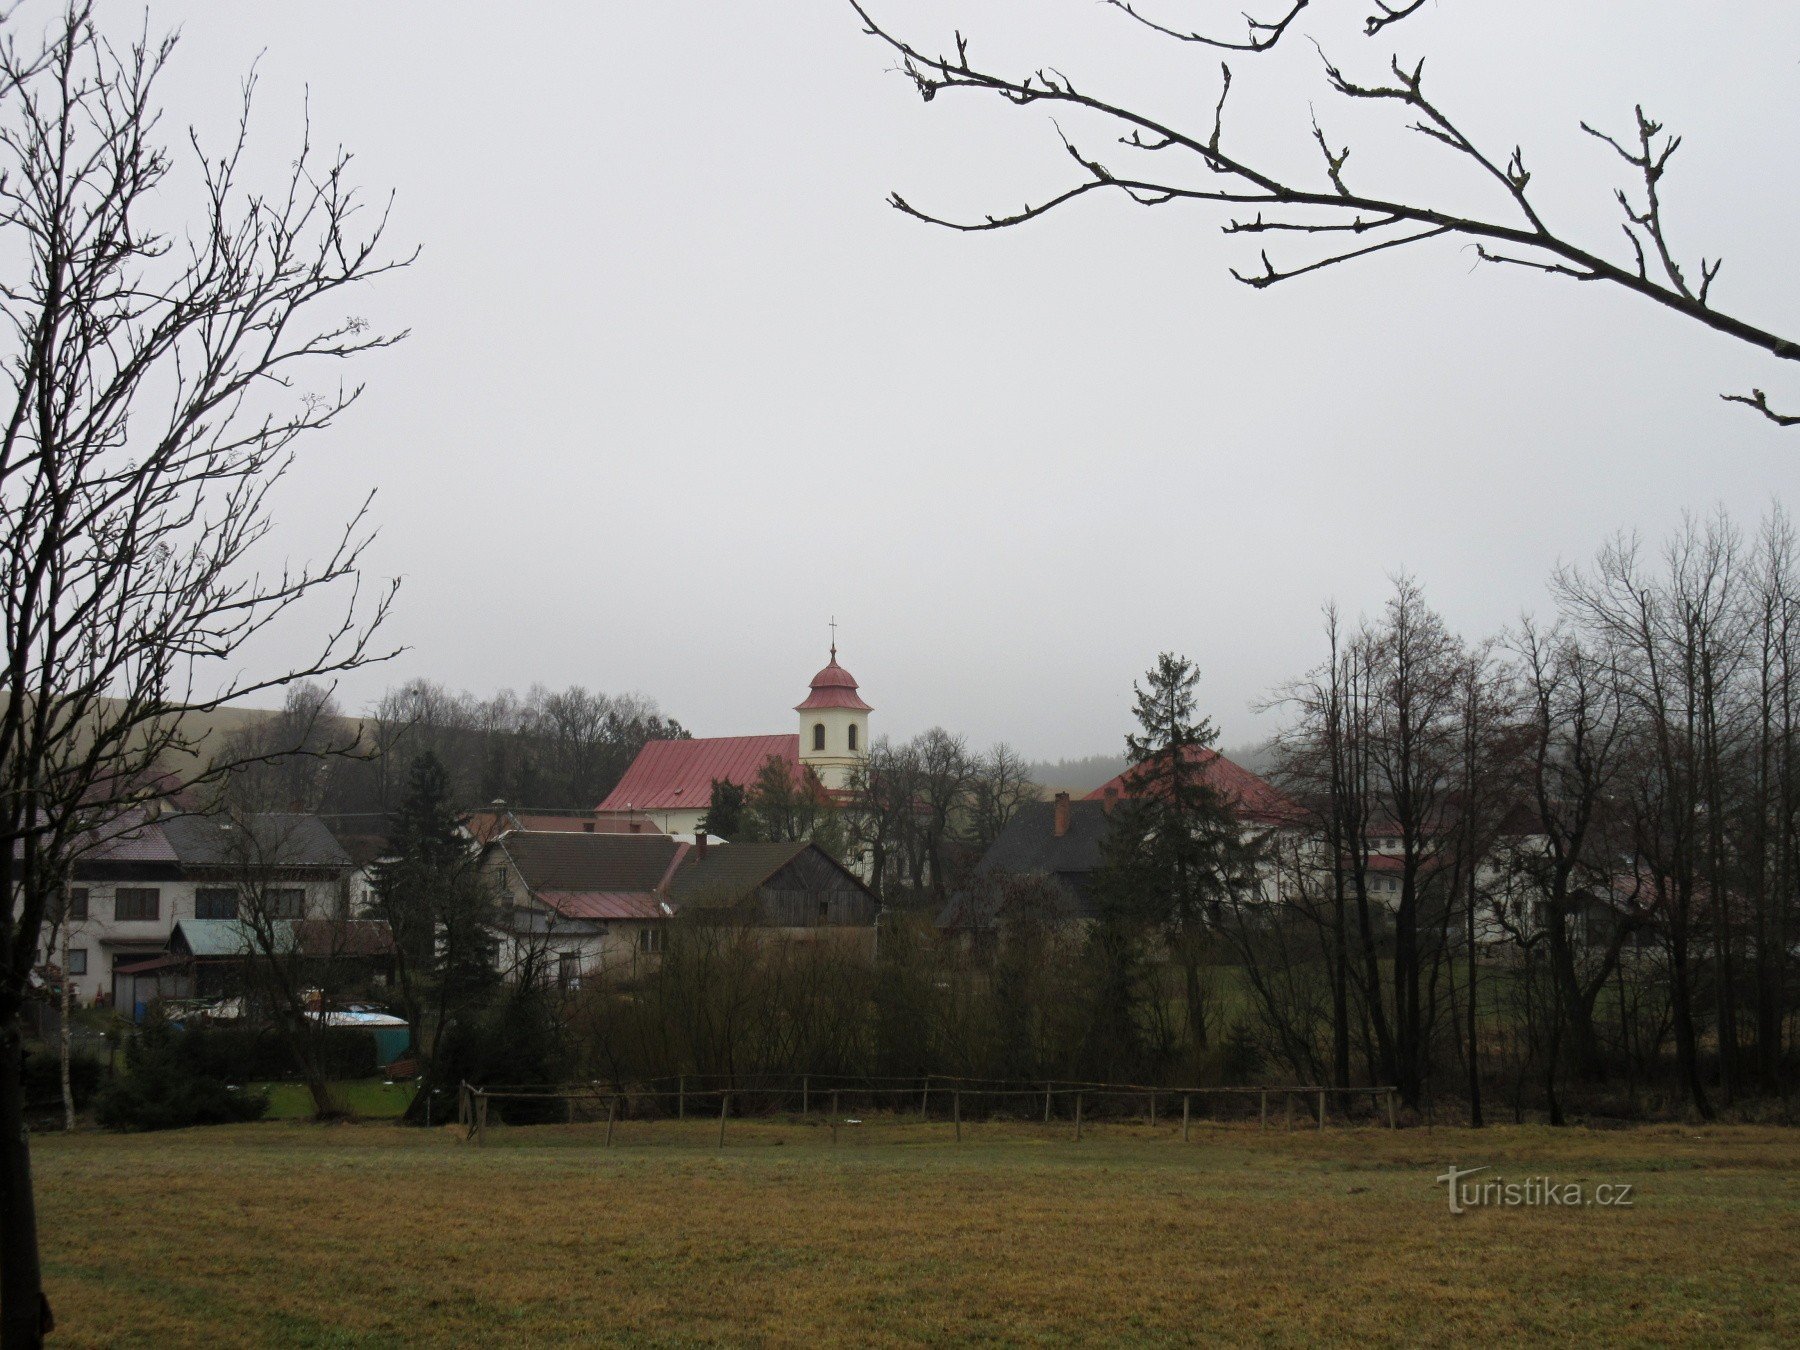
pixel 369 1098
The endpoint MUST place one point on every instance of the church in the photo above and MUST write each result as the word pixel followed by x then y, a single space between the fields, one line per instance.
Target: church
pixel 668 787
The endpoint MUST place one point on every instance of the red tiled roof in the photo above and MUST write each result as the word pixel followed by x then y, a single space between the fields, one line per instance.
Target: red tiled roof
pixel 1255 798
pixel 833 687
pixel 673 775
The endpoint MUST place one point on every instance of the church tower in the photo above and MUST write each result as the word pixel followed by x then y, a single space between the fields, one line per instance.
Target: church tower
pixel 834 725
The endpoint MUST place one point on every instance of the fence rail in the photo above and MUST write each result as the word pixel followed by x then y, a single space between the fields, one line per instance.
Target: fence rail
pixel 823 1098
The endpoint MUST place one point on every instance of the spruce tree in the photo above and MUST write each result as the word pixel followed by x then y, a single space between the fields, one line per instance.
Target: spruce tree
pixel 441 909
pixel 1175 854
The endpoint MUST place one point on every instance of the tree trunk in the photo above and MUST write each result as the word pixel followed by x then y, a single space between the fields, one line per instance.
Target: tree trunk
pixel 66 1039
pixel 21 1285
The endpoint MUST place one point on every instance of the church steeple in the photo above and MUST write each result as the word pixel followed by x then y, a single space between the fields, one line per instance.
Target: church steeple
pixel 834 723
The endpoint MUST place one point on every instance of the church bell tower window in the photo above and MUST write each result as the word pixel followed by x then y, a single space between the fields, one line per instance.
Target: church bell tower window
pixel 818 735
pixel 853 736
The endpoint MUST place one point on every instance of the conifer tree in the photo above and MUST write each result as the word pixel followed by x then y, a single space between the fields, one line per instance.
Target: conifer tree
pixel 1174 852
pixel 441 909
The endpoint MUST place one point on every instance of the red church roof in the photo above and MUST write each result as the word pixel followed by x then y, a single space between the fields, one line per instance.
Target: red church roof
pixel 833 687
pixel 1255 797
pixel 678 775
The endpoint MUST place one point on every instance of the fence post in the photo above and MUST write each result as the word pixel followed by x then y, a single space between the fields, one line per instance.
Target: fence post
pixel 481 1105
pixel 1265 1110
pixel 1289 1094
pixel 1078 1117
pixel 1046 1103
pixel 1185 1101
pixel 569 1104
pixel 805 1094
pixel 1153 1110
pixel 724 1106
pixel 956 1105
pixel 925 1098
pixel 834 1113
pixel 612 1114
pixel 1390 1104
pixel 681 1098
pixel 1321 1108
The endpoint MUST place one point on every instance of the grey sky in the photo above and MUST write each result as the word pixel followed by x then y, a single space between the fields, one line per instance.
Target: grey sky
pixel 681 385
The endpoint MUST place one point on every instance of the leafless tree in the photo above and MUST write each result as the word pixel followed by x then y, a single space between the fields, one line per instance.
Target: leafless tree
pixel 1002 784
pixel 1154 161
pixel 156 404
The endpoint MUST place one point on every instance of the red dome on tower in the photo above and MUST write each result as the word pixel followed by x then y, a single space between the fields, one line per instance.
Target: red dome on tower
pixel 833 687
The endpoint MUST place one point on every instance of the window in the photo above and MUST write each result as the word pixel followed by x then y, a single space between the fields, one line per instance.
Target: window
pixel 853 735
pixel 824 911
pixel 287 902
pixel 77 961
pixel 568 970
pixel 818 735
pixel 136 904
pixel 650 939
pixel 78 903
pixel 217 902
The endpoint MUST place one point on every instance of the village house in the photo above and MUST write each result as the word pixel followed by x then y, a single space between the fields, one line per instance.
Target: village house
pixel 126 894
pixel 1057 844
pixel 577 905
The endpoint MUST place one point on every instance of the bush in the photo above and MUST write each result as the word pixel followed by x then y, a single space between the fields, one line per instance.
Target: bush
pixel 167 1084
pixel 42 1077
pixel 254 1054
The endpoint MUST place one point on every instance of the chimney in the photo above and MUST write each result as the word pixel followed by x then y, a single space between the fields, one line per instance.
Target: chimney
pixel 700 845
pixel 1062 814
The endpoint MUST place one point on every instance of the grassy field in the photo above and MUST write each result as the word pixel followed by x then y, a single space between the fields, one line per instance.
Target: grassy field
pixel 375 1235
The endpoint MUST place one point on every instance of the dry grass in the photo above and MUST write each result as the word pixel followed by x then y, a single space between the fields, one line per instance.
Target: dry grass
pixel 377 1235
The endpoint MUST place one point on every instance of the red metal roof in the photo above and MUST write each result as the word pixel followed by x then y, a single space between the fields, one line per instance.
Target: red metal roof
pixel 833 687
pixel 1256 799
pixel 604 904
pixel 673 775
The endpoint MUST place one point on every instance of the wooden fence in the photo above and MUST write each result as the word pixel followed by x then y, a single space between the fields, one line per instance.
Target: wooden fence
pixel 822 1099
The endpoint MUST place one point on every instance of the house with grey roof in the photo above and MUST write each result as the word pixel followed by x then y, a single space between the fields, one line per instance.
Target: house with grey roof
pixel 577 904
pixel 127 893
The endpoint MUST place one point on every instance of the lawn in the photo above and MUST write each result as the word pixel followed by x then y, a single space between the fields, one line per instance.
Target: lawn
pixel 377 1235
pixel 369 1098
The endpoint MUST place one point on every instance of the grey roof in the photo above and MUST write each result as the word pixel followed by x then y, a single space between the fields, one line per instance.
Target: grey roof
pixel 563 860
pixel 1029 843
pixel 1030 846
pixel 271 839
pixel 730 872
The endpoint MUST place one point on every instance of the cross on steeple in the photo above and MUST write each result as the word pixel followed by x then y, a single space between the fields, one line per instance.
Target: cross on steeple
pixel 834 637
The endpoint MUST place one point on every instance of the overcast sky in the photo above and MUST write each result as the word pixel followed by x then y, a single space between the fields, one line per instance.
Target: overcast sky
pixel 680 386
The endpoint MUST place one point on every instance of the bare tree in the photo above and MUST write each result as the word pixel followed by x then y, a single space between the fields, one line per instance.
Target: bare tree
pixel 155 407
pixel 1002 784
pixel 1345 216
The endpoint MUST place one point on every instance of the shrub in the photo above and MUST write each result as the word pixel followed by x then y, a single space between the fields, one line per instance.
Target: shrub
pixel 42 1077
pixel 254 1054
pixel 166 1084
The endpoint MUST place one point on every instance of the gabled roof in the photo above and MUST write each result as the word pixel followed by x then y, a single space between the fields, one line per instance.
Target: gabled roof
pixel 1029 843
pixel 490 822
pixel 271 839
pixel 1255 798
pixel 606 904
pixel 562 861
pixel 729 872
pixel 678 775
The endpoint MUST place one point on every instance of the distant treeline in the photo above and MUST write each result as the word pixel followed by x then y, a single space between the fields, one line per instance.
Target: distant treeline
pixel 555 749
